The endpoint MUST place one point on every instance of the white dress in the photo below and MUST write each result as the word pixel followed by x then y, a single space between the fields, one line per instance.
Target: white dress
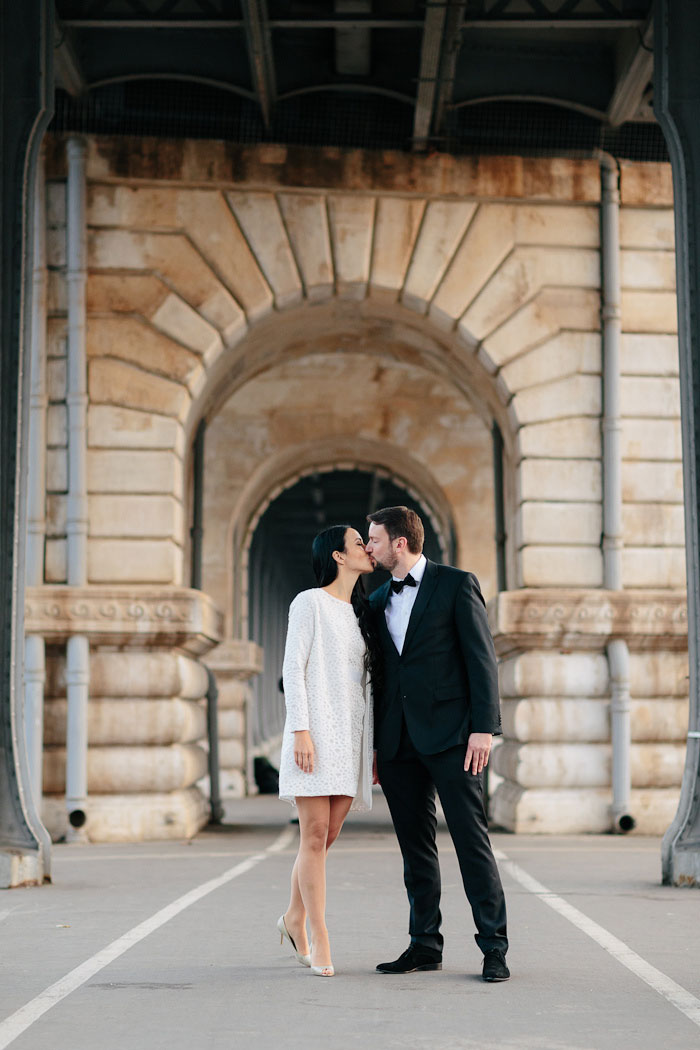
pixel 325 692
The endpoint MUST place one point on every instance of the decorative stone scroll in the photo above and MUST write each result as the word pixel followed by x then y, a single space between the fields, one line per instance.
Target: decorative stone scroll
pixel 136 616
pixel 580 619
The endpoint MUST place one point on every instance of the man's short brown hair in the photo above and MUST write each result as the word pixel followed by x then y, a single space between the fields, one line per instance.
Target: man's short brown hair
pixel 400 521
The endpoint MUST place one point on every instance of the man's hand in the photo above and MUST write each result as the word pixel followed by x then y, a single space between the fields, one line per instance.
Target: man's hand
pixel 304 750
pixel 375 776
pixel 478 751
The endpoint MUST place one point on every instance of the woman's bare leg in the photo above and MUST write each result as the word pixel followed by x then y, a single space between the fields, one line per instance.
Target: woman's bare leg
pixel 314 817
pixel 295 916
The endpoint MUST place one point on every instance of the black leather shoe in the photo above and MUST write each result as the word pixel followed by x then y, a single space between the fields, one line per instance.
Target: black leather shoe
pixel 416 957
pixel 495 968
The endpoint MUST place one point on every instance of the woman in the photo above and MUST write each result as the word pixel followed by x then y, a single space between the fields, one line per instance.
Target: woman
pixel 325 767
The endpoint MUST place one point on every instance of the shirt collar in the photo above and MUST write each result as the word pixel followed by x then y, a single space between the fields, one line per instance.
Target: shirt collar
pixel 417 570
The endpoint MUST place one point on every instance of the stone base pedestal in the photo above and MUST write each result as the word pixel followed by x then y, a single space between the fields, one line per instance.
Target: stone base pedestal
pixel 555 759
pixel 234 663
pixel 145 714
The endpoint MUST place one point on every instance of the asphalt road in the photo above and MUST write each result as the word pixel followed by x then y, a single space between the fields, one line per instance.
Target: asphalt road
pixel 174 946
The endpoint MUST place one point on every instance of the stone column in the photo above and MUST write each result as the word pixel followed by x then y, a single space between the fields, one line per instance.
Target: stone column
pixel 144 711
pixel 234 663
pixel 556 758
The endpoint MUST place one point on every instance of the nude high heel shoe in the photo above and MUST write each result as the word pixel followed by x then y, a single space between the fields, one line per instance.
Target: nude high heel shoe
pixel 305 960
pixel 323 971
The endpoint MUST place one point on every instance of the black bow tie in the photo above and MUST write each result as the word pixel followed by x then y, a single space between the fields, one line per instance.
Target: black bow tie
pixel 398 585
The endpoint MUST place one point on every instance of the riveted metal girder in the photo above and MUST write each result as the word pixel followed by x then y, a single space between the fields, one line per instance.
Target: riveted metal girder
pixel 262 66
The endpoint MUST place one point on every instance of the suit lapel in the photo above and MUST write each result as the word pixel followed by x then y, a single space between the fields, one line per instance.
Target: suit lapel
pixel 381 603
pixel 425 593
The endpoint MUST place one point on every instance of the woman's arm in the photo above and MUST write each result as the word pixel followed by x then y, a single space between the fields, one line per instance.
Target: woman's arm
pixel 300 636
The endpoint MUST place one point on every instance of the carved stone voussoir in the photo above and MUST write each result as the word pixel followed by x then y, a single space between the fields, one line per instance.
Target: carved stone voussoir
pixel 578 619
pixel 131 616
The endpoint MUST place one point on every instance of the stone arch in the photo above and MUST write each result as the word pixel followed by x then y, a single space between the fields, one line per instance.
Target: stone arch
pixel 193 291
pixel 274 476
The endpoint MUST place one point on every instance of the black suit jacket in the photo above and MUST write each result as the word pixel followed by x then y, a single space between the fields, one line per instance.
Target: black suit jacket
pixel 445 681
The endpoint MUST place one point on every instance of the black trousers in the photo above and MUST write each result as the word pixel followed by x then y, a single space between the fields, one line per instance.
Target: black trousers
pixel 409 781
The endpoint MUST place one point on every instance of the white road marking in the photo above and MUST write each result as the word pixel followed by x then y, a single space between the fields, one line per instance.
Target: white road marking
pixel 676 995
pixel 18 1022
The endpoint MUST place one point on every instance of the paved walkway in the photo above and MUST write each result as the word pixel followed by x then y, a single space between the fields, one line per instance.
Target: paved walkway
pixel 174 946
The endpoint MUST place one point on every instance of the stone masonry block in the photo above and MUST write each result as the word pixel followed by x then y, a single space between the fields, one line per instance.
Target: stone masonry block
pixel 652 397
pixel 649 311
pixel 56 512
pixel 651 439
pixel 134 471
pixel 136 342
pixel 130 769
pixel 653 567
pixel 259 217
pixel 134 561
pixel 56 470
pixel 643 354
pixel 56 378
pixel 113 427
pixel 653 525
pixel 554 674
pixel 55 203
pixel 574 396
pixel 57 426
pixel 351 225
pixel 396 227
pixel 443 227
pixel 135 516
pixel 655 270
pixel 55 561
pixel 561 437
pixel 135 673
pixel 130 722
pixel 176 319
pixel 140 293
pixel 576 226
pixel 119 383
pixel 566 566
pixel 659 674
pixel 578 480
pixel 306 221
pixel 647 228
pixel 549 522
pixel 567 354
pixel 644 482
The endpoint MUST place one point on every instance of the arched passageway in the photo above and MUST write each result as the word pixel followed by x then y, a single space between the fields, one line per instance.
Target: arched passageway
pixel 279 566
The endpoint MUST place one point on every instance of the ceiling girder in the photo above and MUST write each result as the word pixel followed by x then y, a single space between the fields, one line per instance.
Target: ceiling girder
pixel 262 66
pixel 634 78
pixel 67 67
pixel 431 48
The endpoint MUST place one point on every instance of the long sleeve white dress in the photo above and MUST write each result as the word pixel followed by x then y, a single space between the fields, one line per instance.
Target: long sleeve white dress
pixel 326 692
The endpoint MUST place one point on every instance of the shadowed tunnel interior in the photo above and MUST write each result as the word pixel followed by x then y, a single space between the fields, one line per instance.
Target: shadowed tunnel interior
pixel 280 567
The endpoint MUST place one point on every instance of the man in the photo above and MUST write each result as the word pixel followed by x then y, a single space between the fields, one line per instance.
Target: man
pixel 434 722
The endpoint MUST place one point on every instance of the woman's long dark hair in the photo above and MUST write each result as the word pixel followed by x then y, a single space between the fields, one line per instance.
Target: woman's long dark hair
pixel 326 569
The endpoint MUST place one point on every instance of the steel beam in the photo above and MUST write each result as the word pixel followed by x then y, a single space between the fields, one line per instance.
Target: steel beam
pixel 677 102
pixel 634 77
pixel 262 66
pixel 67 67
pixel 431 48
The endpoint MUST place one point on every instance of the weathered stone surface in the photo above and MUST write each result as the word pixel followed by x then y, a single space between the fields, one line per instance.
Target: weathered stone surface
pixel 649 311
pixel 577 395
pixel 130 293
pixel 115 427
pixel 136 516
pixel 57 426
pixel 659 674
pixel 129 616
pixel 643 354
pixel 157 673
pixel 647 185
pixel 55 561
pixel 567 354
pixel 443 227
pixel 653 567
pixel 558 225
pixel 565 438
pixel 554 674
pixel 558 765
pixel 655 270
pixel 56 203
pixel 129 339
pixel 134 470
pixel 653 525
pixel 134 818
pixel 651 439
pixel 647 228
pixel 489 239
pixel 56 340
pixel 232 754
pixel 351 226
pixel 259 217
pixel 123 770
pixel 536 719
pixel 134 561
pixel 551 311
pixel 567 618
pixel 578 480
pixel 130 722
pixel 578 811
pixel 649 482
pixel 141 207
pixel 306 221
pixel 56 470
pixel 56 378
pixel 561 565
pixel 549 522
pixel 176 319
pixel 396 225
pixel 652 397
pixel 112 382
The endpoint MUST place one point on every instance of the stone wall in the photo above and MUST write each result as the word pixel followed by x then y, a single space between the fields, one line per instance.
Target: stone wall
pixel 247 286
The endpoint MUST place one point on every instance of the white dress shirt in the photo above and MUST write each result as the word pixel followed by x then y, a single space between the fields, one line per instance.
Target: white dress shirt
pixel 398 608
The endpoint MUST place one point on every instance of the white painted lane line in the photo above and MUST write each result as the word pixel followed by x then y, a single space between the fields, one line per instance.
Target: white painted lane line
pixel 676 995
pixel 18 1022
